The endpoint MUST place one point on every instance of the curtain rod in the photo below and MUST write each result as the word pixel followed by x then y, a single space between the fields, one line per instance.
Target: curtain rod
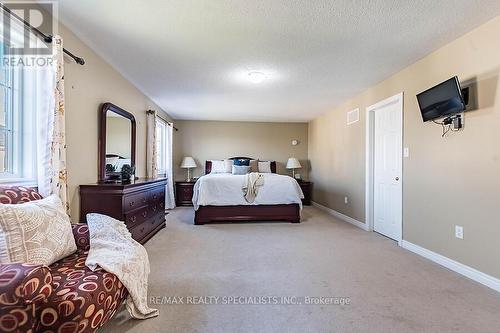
pixel 169 123
pixel 46 38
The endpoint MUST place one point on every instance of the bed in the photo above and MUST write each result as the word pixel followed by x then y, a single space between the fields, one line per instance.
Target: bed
pixel 219 198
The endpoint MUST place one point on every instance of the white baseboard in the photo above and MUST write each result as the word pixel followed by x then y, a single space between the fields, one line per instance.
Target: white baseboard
pixel 453 265
pixel 341 216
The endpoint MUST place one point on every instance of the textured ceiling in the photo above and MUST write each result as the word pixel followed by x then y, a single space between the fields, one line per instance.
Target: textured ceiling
pixel 191 56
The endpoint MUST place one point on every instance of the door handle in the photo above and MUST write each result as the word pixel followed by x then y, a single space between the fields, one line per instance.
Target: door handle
pixel 397 179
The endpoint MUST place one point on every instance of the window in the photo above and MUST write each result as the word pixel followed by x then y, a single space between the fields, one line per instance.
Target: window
pixel 17 126
pixel 161 142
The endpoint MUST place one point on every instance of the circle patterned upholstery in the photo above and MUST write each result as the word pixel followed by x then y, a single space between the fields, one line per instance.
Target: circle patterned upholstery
pixel 65 297
pixel 18 194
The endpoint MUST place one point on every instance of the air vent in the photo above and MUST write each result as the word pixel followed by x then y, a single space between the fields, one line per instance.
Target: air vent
pixel 352 116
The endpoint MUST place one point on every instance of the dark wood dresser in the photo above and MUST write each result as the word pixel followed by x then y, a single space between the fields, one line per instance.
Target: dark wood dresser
pixel 184 193
pixel 141 204
pixel 307 188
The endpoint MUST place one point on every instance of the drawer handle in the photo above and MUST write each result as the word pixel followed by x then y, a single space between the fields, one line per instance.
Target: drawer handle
pixel 155 197
pixel 144 214
pixel 144 200
pixel 133 219
pixel 155 208
pixel 131 203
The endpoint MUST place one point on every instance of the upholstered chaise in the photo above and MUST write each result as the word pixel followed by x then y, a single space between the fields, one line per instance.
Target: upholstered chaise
pixel 63 297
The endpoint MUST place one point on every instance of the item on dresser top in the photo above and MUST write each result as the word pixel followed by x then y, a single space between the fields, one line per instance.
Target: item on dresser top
pixel 240 169
pixel 293 164
pixel 36 232
pixel 113 249
pixel 264 166
pixel 127 173
pixel 188 163
pixel 252 184
pixel 241 162
pixel 117 141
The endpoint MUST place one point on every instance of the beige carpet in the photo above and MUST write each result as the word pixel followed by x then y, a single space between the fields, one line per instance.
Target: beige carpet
pixel 390 289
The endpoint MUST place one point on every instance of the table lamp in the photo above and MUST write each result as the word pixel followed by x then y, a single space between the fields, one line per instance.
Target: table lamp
pixel 293 164
pixel 187 163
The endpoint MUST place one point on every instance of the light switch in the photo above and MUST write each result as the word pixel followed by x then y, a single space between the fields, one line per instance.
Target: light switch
pixel 406 152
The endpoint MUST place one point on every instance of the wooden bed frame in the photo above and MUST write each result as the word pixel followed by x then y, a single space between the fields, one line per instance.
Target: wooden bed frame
pixel 240 213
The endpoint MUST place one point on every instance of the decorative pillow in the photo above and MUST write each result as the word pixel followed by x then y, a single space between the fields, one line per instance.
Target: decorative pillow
pixel 254 166
pixel 241 169
pixel 229 165
pixel 218 167
pixel 37 232
pixel 242 162
pixel 265 167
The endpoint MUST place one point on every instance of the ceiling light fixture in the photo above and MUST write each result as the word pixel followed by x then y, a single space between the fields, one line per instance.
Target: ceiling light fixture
pixel 257 77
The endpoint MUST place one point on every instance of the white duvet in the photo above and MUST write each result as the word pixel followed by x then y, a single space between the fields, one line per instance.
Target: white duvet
pixel 224 189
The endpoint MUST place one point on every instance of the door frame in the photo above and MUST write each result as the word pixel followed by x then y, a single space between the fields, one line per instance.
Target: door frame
pixel 370 142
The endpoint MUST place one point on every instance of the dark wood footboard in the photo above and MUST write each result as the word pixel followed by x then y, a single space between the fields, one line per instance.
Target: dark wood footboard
pixel 287 213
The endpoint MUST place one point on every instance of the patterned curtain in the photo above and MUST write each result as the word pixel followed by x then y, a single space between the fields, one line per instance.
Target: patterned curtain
pixel 52 172
pixel 152 149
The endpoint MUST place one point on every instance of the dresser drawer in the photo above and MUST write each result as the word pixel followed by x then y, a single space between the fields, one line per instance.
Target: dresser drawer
pixel 140 231
pixel 135 201
pixel 138 216
pixel 157 195
pixel 157 220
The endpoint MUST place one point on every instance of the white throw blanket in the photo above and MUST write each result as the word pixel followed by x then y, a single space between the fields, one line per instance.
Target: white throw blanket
pixel 251 187
pixel 113 249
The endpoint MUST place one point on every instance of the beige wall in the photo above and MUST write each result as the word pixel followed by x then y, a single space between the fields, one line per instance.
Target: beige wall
pixel 86 88
pixel 447 181
pixel 206 140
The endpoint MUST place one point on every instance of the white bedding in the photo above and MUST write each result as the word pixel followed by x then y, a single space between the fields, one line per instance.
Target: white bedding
pixel 227 190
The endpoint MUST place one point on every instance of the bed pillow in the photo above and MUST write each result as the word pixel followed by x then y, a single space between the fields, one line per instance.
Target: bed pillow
pixel 218 167
pixel 265 166
pixel 229 165
pixel 254 166
pixel 36 232
pixel 242 162
pixel 241 169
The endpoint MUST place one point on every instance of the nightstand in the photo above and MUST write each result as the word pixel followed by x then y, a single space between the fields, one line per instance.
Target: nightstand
pixel 307 190
pixel 184 193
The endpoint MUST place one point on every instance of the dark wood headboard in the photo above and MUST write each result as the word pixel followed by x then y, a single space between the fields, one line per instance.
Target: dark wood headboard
pixel 208 164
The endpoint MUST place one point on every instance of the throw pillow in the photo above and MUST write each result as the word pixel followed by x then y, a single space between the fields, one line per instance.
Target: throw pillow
pixel 36 232
pixel 242 162
pixel 265 167
pixel 240 169
pixel 218 167
pixel 254 166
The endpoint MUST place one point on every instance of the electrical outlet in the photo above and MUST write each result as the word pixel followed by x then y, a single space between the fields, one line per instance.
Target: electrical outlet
pixel 346 200
pixel 459 232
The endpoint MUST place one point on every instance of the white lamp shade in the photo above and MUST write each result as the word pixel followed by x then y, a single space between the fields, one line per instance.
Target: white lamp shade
pixel 293 163
pixel 188 162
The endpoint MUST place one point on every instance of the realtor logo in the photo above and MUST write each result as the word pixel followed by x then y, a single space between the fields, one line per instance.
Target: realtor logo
pixel 18 37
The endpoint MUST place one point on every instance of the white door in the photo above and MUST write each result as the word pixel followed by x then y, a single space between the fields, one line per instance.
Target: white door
pixel 387 171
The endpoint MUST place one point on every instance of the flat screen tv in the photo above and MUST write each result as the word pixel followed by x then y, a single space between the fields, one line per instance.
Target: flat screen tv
pixel 442 100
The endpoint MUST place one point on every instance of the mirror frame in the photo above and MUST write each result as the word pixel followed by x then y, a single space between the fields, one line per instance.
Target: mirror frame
pixel 102 136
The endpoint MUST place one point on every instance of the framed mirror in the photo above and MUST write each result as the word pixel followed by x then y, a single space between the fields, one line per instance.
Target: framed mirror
pixel 117 136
